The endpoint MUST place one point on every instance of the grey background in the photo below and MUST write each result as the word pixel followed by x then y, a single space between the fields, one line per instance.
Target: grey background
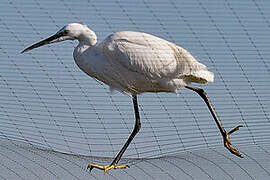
pixel 49 107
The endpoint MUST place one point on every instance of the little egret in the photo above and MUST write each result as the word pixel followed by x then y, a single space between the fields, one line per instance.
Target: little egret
pixel 136 62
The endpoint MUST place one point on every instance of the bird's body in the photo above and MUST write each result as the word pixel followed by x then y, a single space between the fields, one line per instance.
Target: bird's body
pixel 136 62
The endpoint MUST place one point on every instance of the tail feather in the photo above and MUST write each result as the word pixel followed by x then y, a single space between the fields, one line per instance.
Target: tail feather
pixel 203 76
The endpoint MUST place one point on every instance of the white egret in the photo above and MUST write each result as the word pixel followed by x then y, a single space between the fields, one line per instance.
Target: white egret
pixel 136 62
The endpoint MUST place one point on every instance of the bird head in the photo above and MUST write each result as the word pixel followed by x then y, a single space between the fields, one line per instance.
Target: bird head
pixel 71 31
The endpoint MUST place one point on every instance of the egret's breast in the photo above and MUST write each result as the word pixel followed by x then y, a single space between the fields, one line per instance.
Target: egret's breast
pixel 87 59
pixel 91 61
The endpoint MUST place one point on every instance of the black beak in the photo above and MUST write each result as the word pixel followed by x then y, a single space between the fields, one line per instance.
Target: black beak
pixel 49 40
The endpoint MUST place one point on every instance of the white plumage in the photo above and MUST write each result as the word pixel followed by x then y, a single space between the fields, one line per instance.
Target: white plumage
pixel 136 62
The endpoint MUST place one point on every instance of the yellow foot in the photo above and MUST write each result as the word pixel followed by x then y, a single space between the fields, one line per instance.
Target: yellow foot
pixel 106 168
pixel 227 142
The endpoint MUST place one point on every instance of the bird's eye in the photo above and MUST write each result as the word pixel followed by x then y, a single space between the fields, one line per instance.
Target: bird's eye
pixel 65 32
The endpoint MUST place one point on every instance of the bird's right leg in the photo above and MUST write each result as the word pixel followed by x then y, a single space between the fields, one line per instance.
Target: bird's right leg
pixel 136 129
pixel 225 135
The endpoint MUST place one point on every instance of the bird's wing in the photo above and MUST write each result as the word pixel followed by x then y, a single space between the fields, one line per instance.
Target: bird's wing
pixel 149 55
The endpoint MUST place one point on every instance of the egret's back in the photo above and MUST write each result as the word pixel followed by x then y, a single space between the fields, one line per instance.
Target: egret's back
pixel 146 63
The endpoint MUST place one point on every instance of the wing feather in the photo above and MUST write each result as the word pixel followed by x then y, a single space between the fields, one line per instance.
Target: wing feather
pixel 153 58
pixel 141 53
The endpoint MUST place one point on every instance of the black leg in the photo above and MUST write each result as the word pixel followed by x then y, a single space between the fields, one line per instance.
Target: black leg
pixel 223 132
pixel 136 129
pixel 202 93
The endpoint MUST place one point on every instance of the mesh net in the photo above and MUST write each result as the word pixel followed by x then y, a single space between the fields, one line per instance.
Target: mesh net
pixel 54 119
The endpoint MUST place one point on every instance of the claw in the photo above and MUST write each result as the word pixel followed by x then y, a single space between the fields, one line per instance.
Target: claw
pixel 227 142
pixel 106 168
pixel 234 129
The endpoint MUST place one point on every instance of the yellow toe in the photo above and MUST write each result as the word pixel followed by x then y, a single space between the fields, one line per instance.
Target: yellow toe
pixel 227 142
pixel 228 145
pixel 106 167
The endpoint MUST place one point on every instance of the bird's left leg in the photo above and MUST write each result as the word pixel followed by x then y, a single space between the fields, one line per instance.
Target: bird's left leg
pixel 225 135
pixel 136 129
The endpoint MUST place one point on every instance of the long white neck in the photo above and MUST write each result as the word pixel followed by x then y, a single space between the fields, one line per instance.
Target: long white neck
pixel 87 41
pixel 87 37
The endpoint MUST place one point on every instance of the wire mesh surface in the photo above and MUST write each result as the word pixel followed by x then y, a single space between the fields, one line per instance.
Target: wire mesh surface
pixel 26 162
pixel 54 119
